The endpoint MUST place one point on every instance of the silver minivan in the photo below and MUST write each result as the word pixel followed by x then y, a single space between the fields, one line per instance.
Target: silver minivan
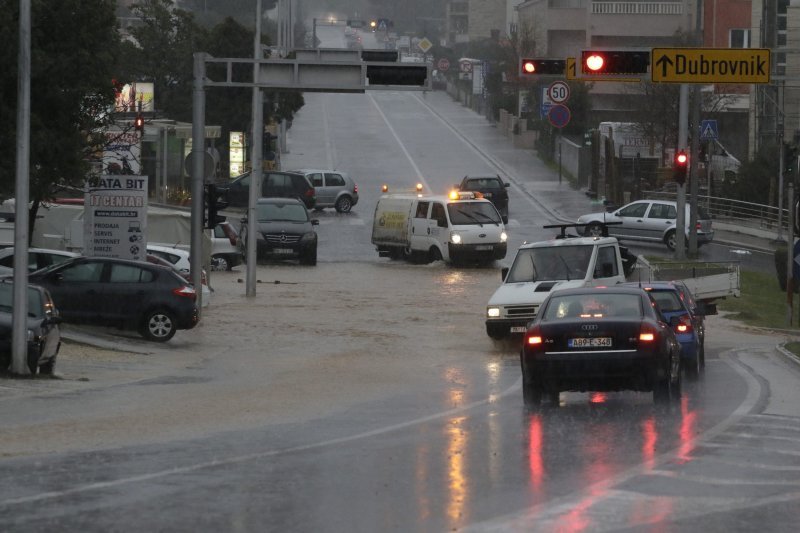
pixel 333 188
pixel 648 220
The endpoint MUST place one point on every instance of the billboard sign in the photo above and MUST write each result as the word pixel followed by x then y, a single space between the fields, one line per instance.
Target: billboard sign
pixel 134 97
pixel 115 217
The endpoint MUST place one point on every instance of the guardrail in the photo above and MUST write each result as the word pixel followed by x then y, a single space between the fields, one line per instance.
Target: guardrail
pixel 748 214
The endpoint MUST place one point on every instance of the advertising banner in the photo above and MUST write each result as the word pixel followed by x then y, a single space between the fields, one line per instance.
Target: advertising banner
pixel 121 151
pixel 135 97
pixel 115 217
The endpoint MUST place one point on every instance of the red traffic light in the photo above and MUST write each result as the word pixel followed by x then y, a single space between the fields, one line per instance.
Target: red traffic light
pixel 138 123
pixel 554 67
pixel 629 62
pixel 679 169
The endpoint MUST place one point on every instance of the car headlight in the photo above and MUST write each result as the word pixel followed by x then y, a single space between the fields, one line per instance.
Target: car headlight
pixel 503 237
pixel 493 312
pixel 455 238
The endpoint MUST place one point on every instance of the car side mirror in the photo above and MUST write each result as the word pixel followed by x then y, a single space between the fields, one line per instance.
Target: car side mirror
pixel 506 185
pixel 503 273
pixel 314 222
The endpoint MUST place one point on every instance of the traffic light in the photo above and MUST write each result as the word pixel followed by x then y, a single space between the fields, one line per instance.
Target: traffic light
pixel 596 62
pixel 531 67
pixel 138 123
pixel 680 167
pixel 213 205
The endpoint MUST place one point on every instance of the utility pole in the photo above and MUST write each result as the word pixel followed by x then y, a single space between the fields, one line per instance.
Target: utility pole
pixel 19 316
pixel 256 166
pixel 683 129
pixel 694 160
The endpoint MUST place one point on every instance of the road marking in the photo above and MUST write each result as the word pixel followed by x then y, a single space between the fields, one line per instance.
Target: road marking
pixel 402 146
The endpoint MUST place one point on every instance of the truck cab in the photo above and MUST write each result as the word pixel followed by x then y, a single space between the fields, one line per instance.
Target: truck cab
pixel 542 267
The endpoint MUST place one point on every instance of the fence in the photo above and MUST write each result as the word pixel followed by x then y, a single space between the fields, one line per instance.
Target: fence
pixel 735 211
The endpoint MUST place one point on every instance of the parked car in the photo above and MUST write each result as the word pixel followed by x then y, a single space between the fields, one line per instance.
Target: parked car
pixel 273 184
pixel 674 300
pixel 333 189
pixel 43 333
pixel 37 257
pixel 493 188
pixel 600 339
pixel 225 247
pixel 151 299
pixel 180 260
pixel 285 231
pixel 648 220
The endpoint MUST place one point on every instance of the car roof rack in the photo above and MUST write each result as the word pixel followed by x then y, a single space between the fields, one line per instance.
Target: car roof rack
pixel 563 228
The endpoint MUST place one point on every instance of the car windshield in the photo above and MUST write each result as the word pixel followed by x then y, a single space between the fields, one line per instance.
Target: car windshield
pixel 668 301
pixel 469 213
pixel 35 303
pixel 281 212
pixel 483 183
pixel 550 264
pixel 592 305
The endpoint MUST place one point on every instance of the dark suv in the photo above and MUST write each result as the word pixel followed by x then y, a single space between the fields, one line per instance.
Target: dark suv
pixel 274 184
pixel 285 231
pixel 493 189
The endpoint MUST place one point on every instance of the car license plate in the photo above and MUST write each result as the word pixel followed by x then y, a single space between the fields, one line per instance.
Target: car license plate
pixel 483 247
pixel 594 342
pixel 518 329
pixel 283 251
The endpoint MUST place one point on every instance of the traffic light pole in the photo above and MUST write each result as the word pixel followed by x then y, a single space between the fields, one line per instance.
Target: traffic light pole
pixel 683 131
pixel 256 168
pixel 198 175
pixel 694 170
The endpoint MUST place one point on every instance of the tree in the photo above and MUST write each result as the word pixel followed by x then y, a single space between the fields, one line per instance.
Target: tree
pixel 74 44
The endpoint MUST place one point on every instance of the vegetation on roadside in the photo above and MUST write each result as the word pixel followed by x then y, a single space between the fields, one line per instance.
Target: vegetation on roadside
pixel 762 303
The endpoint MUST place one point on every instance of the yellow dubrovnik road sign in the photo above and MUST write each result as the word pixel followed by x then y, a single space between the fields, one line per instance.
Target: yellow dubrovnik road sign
pixel 710 65
pixel 572 74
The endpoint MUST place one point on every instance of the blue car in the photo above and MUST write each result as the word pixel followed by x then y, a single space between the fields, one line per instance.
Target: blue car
pixel 686 317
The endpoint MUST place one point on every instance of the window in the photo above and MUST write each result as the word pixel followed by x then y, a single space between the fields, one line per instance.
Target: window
pixel 125 274
pixel 422 210
pixel 316 179
pixel 634 210
pixel 334 180
pixel 664 211
pixel 172 258
pixel 219 233
pixel 438 214
pixel 85 272
pixel 740 38
pixel 277 181
pixel 667 301
pixel 606 266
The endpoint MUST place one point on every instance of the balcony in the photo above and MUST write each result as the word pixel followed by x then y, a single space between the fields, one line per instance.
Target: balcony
pixel 637 8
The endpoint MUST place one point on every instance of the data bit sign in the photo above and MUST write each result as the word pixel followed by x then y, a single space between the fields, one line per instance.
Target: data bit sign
pixel 710 65
pixel 115 217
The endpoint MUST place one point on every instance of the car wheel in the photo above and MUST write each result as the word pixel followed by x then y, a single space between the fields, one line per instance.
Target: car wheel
pixel 495 333
pixel 220 262
pixel 310 258
pixel 158 326
pixel 670 240
pixel 33 359
pixel 531 387
pixel 344 204
pixel 594 230
pixel 693 367
pixel 434 254
pixel 48 368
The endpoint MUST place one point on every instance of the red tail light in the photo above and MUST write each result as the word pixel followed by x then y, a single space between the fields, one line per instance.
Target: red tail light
pixel 698 226
pixel 310 192
pixel 684 326
pixel 185 292
pixel 534 338
pixel 646 335
pixel 355 189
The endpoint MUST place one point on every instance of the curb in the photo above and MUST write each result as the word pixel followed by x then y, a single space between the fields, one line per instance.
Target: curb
pixel 781 348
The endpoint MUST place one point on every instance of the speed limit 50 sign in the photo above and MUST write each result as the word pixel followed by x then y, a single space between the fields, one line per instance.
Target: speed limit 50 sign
pixel 558 92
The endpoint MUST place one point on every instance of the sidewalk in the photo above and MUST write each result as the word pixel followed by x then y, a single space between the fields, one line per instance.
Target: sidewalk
pixel 541 182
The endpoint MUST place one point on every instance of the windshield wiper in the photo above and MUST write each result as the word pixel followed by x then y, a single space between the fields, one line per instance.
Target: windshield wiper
pixel 490 219
pixel 566 266
pixel 469 216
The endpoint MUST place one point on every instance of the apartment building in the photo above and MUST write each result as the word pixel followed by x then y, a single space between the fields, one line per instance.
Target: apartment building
pixel 474 20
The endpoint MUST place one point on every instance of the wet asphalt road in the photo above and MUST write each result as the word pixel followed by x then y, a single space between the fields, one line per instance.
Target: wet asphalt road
pixel 364 395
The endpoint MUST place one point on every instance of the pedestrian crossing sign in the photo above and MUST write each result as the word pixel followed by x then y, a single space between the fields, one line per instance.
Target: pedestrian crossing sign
pixel 709 130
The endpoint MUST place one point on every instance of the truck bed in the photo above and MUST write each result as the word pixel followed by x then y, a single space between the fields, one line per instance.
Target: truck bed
pixel 707 280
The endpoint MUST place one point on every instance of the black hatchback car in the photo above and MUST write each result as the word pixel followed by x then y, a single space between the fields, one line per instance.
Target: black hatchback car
pixel 285 231
pixel 151 299
pixel 493 188
pixel 44 335
pixel 273 184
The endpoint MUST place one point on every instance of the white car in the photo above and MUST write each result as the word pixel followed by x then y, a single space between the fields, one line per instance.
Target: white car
pixel 647 220
pixel 225 252
pixel 37 258
pixel 179 259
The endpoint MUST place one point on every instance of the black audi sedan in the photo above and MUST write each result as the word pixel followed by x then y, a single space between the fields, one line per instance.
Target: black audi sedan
pixel 600 339
pixel 151 299
pixel 285 231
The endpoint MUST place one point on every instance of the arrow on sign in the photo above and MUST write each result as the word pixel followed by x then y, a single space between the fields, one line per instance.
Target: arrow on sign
pixel 662 62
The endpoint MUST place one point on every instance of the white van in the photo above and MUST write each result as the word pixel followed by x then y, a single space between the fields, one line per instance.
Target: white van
pixel 461 228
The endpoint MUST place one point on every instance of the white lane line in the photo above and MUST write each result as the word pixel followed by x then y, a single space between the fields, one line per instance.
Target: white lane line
pixel 420 177
pixel 493 398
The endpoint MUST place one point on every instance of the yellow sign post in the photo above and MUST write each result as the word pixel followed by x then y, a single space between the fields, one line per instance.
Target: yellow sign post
pixel 710 65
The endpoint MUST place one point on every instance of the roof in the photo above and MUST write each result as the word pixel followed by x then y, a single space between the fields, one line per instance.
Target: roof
pixel 571 241
pixel 611 289
pixel 279 201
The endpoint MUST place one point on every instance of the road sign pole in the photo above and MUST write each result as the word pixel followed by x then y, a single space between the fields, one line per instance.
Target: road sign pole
pixel 694 170
pixel 198 174
pixel 255 167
